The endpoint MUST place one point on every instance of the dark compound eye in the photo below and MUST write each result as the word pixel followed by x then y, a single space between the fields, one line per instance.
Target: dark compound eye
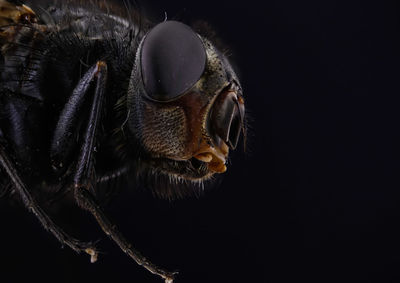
pixel 173 59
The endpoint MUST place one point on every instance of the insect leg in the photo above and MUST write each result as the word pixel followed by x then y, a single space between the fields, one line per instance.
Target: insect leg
pixel 83 176
pixel 86 199
pixel 63 137
pixel 30 203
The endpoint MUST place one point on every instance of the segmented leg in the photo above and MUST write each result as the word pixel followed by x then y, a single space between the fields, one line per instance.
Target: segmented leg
pixel 30 203
pixel 86 199
pixel 83 176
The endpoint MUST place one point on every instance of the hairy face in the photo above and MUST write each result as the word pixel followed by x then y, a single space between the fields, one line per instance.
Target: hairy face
pixel 185 103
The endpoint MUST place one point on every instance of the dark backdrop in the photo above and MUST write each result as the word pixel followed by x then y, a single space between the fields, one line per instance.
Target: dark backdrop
pixel 316 196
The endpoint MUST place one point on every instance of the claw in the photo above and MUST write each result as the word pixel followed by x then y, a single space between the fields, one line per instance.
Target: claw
pixel 93 254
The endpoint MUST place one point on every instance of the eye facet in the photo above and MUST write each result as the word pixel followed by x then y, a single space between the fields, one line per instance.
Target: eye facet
pixel 173 58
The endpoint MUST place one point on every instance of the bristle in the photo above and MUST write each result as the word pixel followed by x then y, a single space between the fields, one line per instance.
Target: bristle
pixel 207 31
pixel 172 187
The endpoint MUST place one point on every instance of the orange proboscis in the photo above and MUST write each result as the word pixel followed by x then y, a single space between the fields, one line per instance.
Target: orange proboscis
pixel 214 156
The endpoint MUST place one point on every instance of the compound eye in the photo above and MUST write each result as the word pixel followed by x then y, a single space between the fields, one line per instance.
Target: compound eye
pixel 173 59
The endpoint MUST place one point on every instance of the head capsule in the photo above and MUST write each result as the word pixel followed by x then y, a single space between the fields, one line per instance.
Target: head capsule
pixel 185 102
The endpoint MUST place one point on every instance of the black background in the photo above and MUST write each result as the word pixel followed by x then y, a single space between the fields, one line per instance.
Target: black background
pixel 316 196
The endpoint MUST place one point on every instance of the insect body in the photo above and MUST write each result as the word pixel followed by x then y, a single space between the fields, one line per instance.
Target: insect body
pixel 88 95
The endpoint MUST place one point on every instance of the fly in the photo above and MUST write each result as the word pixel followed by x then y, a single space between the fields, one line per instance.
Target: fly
pixel 90 94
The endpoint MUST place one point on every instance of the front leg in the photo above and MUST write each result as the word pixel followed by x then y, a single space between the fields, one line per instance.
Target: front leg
pixel 66 130
pixel 84 172
pixel 31 204
pixel 86 199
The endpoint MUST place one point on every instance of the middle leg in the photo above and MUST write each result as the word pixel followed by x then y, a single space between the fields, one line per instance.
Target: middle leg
pixel 84 180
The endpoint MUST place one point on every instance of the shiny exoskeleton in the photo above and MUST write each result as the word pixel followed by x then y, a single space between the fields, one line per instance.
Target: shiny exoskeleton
pixel 92 92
